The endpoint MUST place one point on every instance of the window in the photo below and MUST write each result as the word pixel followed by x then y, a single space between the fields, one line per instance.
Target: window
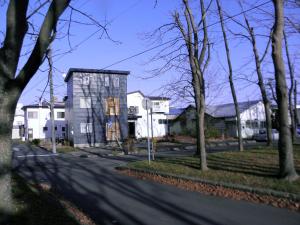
pixel 55 128
pixel 32 115
pixel 112 106
pixel 63 129
pixel 85 79
pixel 162 121
pixel 106 81
pixel 112 131
pixel 133 110
pixel 116 81
pixel 86 128
pixel 45 129
pixel 60 115
pixel 251 123
pixel 85 103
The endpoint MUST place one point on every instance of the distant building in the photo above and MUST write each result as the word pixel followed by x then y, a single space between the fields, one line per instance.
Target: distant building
pixel 223 119
pixel 37 121
pixel 18 124
pixel 96 106
pixel 137 115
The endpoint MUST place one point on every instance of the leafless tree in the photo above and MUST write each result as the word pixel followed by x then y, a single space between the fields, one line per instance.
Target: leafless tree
pixel 285 145
pixel 15 77
pixel 251 37
pixel 230 77
pixel 293 112
pixel 198 55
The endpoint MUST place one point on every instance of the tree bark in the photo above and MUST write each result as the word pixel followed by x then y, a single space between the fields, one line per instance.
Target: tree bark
pixel 291 89
pixel 197 64
pixel 13 83
pixel 285 146
pixel 200 113
pixel 230 77
pixel 8 102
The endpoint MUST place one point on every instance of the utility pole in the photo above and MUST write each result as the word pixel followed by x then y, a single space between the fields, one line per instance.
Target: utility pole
pixel 49 56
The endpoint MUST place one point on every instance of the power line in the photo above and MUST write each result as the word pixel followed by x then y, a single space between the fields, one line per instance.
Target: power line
pixel 157 46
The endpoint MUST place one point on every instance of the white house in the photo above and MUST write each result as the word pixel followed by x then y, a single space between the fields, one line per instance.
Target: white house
pixel 18 124
pixel 137 115
pixel 38 122
pixel 252 114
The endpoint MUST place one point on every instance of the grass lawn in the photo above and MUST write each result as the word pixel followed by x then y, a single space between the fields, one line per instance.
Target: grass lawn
pixel 254 168
pixel 60 148
pixel 36 206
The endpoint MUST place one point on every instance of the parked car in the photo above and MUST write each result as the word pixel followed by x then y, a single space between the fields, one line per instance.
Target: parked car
pixel 262 135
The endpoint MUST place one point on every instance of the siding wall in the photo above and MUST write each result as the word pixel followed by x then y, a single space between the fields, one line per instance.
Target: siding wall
pixel 98 92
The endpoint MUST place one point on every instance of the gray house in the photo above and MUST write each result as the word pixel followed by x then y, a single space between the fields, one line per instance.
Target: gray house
pixel 96 106
pixel 220 120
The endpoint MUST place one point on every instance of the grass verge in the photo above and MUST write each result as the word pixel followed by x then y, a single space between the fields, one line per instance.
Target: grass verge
pixel 37 205
pixel 255 168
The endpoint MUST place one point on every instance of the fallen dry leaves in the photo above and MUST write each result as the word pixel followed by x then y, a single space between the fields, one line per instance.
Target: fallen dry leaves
pixel 217 190
pixel 75 212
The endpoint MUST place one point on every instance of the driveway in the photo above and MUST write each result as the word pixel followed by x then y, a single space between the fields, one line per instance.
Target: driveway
pixel 110 198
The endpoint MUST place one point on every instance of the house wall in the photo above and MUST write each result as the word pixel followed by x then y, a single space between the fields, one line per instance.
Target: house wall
pixel 69 111
pixel 43 120
pixel 159 113
pixel 255 113
pixel 96 90
pixel 184 124
pixel 18 123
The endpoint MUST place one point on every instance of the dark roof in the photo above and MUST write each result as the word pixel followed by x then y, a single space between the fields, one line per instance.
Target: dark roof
pixel 72 70
pixel 158 98
pixel 150 97
pixel 176 111
pixel 44 105
pixel 228 110
pixel 138 91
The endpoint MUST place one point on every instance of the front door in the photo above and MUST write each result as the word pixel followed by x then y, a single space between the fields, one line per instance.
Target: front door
pixel 131 129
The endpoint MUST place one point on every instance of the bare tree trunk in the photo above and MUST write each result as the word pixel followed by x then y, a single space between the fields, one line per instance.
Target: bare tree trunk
pixel 53 136
pixel 8 100
pixel 285 146
pixel 291 89
pixel 200 112
pixel 236 106
pixel 198 64
pixel 295 105
pixel 261 84
pixel 12 82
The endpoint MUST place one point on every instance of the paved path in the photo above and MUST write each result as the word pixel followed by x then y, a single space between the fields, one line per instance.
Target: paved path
pixel 110 198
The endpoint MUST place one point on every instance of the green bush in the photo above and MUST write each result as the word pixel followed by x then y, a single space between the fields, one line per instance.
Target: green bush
pixel 212 132
pixel 36 141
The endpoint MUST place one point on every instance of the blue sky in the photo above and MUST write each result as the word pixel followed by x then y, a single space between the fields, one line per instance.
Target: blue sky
pixel 128 22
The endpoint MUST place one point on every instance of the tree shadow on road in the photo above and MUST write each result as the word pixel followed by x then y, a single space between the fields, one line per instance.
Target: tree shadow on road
pixel 107 197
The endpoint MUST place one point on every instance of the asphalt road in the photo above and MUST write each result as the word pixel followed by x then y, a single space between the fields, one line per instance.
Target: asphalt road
pixel 110 198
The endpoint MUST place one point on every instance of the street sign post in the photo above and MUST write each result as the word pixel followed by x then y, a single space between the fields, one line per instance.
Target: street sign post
pixel 147 104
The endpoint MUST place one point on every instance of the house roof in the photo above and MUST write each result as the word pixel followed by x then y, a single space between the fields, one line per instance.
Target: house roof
pixel 138 91
pixel 82 70
pixel 228 110
pixel 44 105
pixel 150 97
pixel 176 111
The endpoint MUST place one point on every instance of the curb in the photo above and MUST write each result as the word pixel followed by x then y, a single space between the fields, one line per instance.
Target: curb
pixel 259 191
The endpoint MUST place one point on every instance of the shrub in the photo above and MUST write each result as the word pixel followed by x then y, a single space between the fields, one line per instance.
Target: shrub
pixel 36 141
pixel 212 132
